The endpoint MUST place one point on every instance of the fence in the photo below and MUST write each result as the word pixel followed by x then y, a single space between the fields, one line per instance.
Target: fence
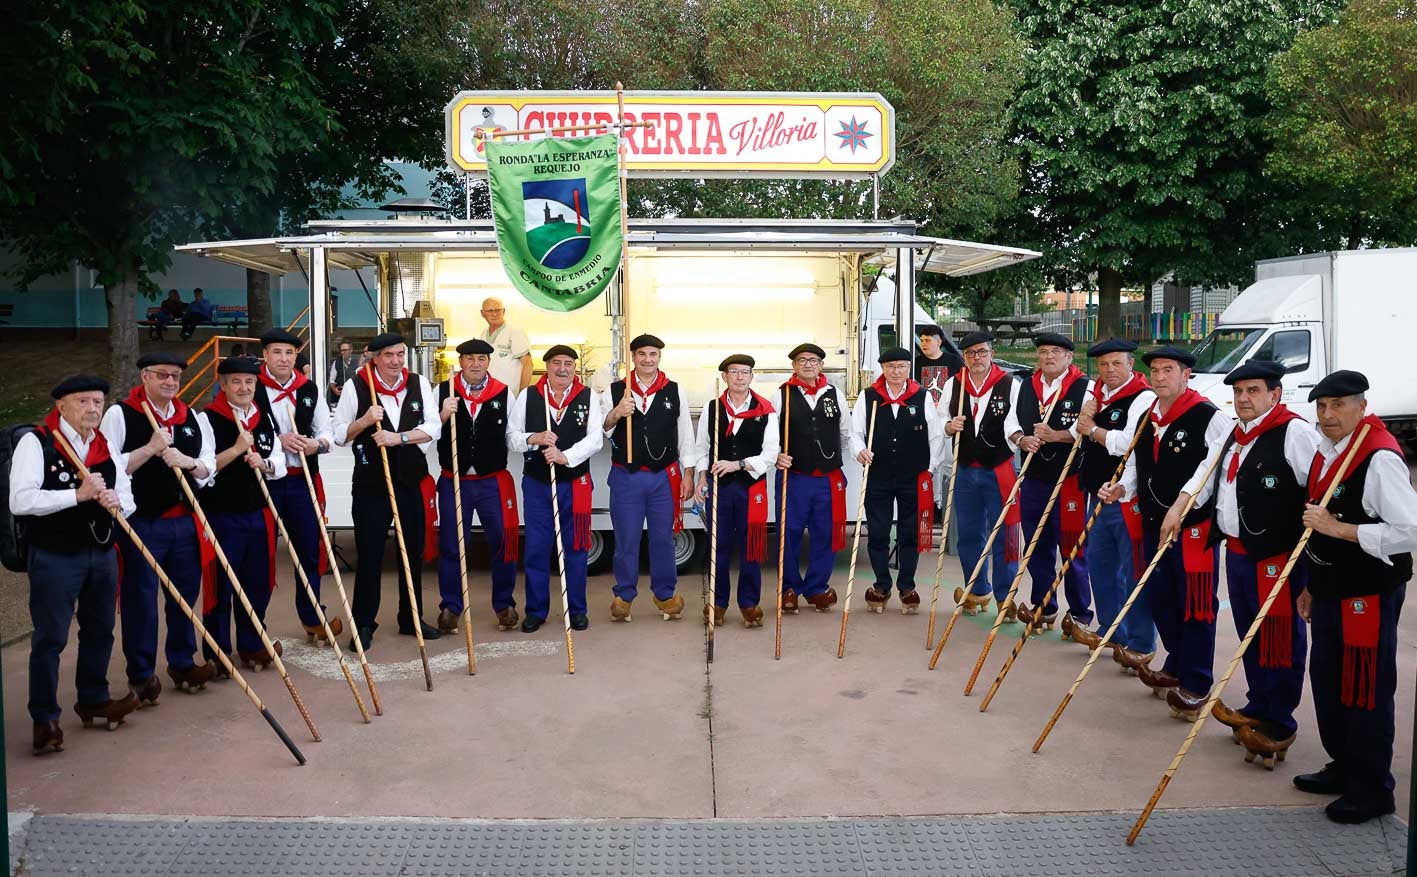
pixel 1144 328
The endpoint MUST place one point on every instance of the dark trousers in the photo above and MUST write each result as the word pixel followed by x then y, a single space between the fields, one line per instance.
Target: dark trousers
pixel 64 587
pixel 541 546
pixel 731 538
pixel 1358 740
pixel 1274 692
pixel 373 516
pixel 480 496
pixel 640 501
pixel 297 511
pixel 891 497
pixel 173 544
pixel 809 508
pixel 1112 574
pixel 977 508
pixel 245 539
pixel 1043 564
pixel 1190 645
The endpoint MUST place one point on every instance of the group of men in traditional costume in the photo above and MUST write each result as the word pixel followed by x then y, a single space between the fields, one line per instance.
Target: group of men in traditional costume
pixel 1165 464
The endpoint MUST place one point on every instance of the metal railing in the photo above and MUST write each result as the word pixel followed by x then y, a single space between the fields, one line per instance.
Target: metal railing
pixel 211 353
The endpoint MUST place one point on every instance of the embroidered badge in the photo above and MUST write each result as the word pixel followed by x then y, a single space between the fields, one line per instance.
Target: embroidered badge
pixel 496 403
pixel 1270 482
pixel 415 405
pixel 64 477
pixel 1360 606
pixel 1115 415
pixel 1067 404
pixel 187 431
pixel 510 503
pixel 1072 505
pixel 1271 569
pixel 1180 435
pixel 1195 532
pixel 911 409
pixel 1338 491
pixel 308 401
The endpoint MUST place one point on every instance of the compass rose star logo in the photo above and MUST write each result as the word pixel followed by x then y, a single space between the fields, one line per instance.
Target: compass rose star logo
pixel 853 134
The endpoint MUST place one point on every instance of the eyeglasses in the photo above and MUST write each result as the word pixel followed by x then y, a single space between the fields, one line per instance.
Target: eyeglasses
pixel 164 376
pixel 494 310
pixel 739 372
pixel 807 360
pixel 977 354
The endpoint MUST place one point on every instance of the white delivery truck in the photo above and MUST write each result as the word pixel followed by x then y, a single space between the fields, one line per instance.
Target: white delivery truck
pixel 1319 313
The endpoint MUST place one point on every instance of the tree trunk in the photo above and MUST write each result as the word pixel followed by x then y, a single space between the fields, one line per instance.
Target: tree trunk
pixel 1109 303
pixel 1355 231
pixel 121 297
pixel 258 301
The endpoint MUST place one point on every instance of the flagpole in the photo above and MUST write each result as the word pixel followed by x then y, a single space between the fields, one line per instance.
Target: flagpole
pixel 624 351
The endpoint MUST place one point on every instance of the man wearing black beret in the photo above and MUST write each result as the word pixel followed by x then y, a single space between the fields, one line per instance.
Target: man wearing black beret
pixel 1360 558
pixel 651 476
pixel 67 525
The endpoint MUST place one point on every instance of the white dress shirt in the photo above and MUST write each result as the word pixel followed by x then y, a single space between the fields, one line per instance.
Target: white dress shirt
pixel 468 467
pixel 935 430
pixel 1050 389
pixel 683 425
pixel 277 458
pixel 758 464
pixel 1118 440
pixel 347 411
pixel 1215 432
pixel 813 398
pixel 27 495
pixel 115 429
pixel 285 424
pixel 576 454
pixel 1387 495
pixel 949 404
pixel 1301 440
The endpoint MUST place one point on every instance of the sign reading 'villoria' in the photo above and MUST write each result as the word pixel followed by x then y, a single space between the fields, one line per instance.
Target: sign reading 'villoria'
pixel 556 208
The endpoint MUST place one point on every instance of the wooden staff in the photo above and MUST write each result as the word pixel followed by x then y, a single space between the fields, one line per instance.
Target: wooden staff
pixel 945 519
pixel 713 525
pixel 462 534
pixel 989 543
pixel 176 595
pixel 620 154
pixel 856 539
pixel 256 623
pixel 782 521
pixel 339 586
pixel 561 560
pixel 1121 614
pixel 1219 686
pixel 398 534
pixel 1057 582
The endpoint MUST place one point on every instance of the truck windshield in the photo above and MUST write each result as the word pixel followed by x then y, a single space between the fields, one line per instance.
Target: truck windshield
pixel 1223 349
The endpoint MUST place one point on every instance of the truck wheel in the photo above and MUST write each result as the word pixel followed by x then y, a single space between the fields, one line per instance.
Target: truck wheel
pixel 601 553
pixel 688 549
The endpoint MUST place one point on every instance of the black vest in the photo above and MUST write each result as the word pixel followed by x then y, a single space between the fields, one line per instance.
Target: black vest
pixel 344 371
pixel 902 440
pixel 482 443
pixel 1098 466
pixel 985 447
pixel 84 525
pixel 747 442
pixel 306 398
pixel 1270 499
pixel 1183 449
pixel 1048 462
pixel 656 432
pixel 815 442
pixel 407 464
pixel 575 425
pixel 155 490
pixel 1338 568
pixel 235 488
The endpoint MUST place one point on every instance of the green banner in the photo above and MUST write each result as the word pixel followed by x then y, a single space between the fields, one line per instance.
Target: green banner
pixel 556 207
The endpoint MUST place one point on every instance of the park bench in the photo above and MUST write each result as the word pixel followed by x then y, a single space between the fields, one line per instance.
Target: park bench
pixel 233 317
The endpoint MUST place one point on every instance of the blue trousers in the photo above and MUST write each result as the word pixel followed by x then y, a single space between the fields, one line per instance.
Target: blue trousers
pixel 1112 574
pixel 297 511
pixel 1274 693
pixel 480 496
pixel 1048 553
pixel 892 497
pixel 173 543
pixel 977 507
pixel 809 508
pixel 731 538
pixel 243 536
pixel 541 544
pixel 640 501
pixel 1358 740
pixel 64 587
pixel 1190 645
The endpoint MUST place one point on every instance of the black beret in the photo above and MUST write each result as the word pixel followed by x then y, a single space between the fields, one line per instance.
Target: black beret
pixel 474 345
pixel 737 359
pixel 930 330
pixel 1052 339
pixel 1256 370
pixel 79 384
pixel 893 354
pixel 279 336
pixel 1340 383
pixel 161 357
pixel 972 338
pixel 809 347
pixel 239 365
pixel 1176 354
pixel 645 341
pixel 387 339
pixel 1111 345
pixel 559 350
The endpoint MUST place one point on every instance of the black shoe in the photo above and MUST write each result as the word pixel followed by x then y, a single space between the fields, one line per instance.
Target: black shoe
pixel 579 621
pixel 1345 811
pixel 429 632
pixel 366 638
pixel 1325 782
pixel 532 624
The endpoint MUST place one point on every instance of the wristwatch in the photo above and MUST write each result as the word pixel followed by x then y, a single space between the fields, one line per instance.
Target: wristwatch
pixel 403 438
pixel 742 465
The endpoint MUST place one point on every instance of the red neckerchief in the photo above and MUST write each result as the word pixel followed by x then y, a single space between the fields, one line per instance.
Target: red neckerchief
pixel 911 388
pixel 377 385
pixel 297 381
pixel 544 388
pixel 490 387
pixel 995 375
pixel 1277 416
pixel 1378 439
pixel 759 408
pixel 1067 377
pixel 1184 402
pixel 137 397
pixel 221 406
pixel 1135 385
pixel 98 444
pixel 808 389
pixel 661 380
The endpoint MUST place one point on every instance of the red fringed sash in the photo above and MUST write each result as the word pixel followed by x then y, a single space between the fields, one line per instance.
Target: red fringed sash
pixel 1005 475
pixel 270 521
pixel 580 513
pixel 838 490
pixel 1277 629
pixel 429 489
pixel 1361 626
pixel 925 512
pixel 1131 516
pixel 1072 515
pixel 507 500
pixel 319 482
pixel 1200 573
pixel 757 521
pixel 676 484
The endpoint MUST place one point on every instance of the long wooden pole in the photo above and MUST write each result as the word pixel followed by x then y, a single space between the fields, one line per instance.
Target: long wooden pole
pixel 1058 580
pixel 256 622
pixel 621 155
pixel 1117 622
pixel 713 523
pixel 945 518
pixel 398 535
pixel 856 539
pixel 186 608
pixel 1224 680
pixel 561 561
pixel 462 533
pixel 782 519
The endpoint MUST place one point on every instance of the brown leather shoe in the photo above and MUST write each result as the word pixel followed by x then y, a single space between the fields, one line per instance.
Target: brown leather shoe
pixel 1079 633
pixel 671 609
pixel 508 619
pixel 447 621
pixel 48 737
pixel 1010 612
pixel 789 601
pixel 1131 660
pixel 876 600
pixel 1184 705
pixel 148 690
pixel 1233 719
pixel 909 602
pixel 110 712
pixel 973 603
pixel 824 601
pixel 259 661
pixel 1260 745
pixel 718 614
pixel 1157 680
pixel 191 679
pixel 315 633
pixel 752 616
